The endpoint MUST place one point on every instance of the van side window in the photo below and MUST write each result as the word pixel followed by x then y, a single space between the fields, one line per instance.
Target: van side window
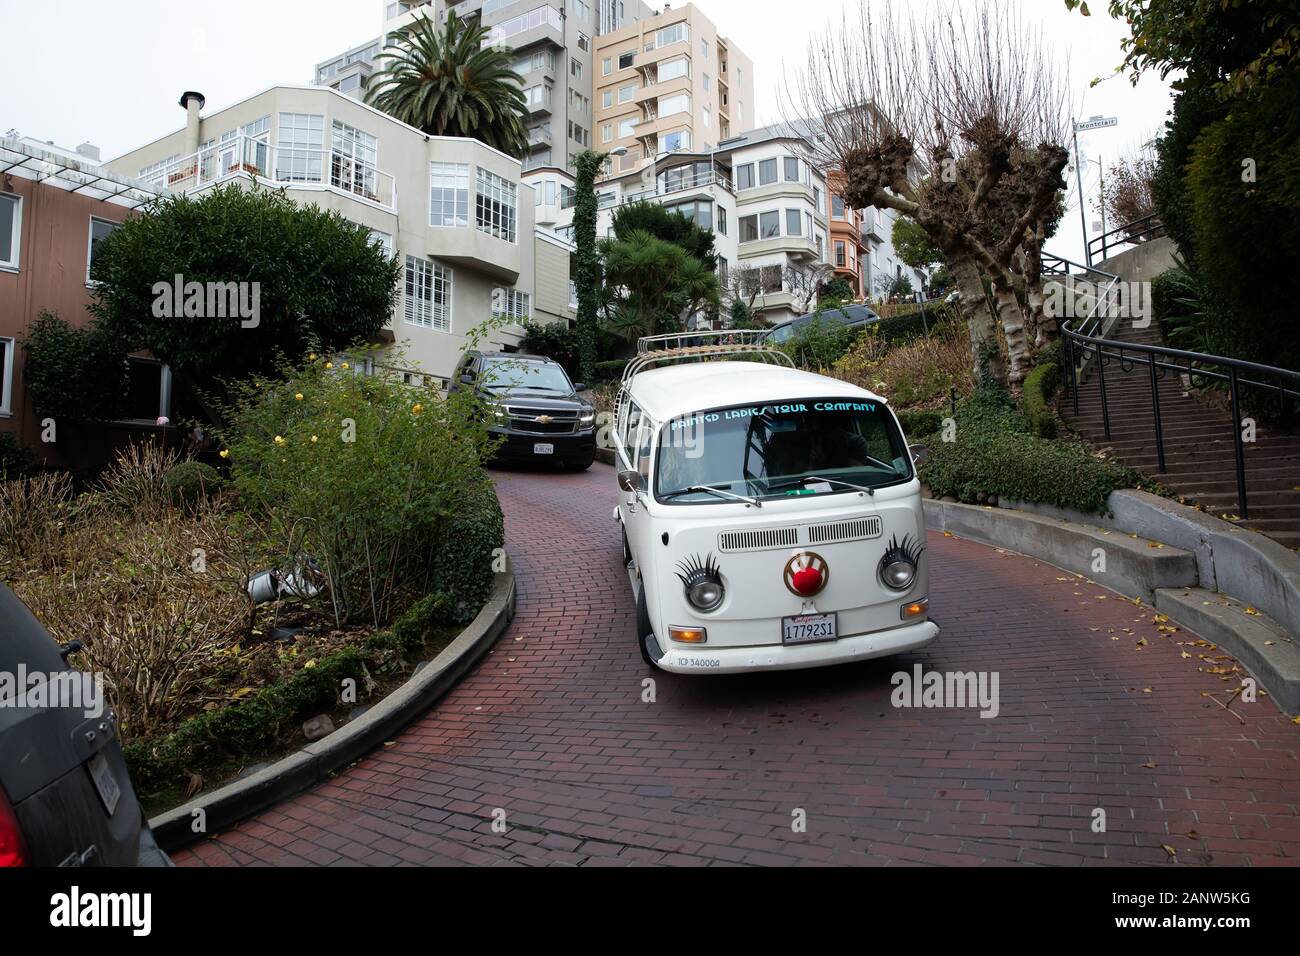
pixel 645 435
pixel 629 431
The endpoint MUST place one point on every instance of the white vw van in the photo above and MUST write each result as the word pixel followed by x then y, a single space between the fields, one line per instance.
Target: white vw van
pixel 771 517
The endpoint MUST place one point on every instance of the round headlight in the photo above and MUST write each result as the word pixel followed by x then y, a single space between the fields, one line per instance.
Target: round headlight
pixel 706 595
pixel 898 574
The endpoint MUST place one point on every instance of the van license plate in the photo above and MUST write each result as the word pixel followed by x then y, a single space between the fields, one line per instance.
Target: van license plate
pixel 542 448
pixel 808 628
pixel 102 776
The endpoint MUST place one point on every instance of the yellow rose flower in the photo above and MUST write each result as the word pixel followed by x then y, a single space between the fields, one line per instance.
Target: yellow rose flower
pixel 313 439
pixel 225 453
pixel 329 364
pixel 344 365
pixel 298 397
pixel 312 357
pixel 417 409
pixel 279 440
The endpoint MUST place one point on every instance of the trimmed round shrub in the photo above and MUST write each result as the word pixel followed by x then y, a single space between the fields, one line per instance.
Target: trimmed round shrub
pixel 468 547
pixel 191 482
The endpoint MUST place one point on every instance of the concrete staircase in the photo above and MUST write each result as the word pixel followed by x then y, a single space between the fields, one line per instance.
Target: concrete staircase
pixel 1198 442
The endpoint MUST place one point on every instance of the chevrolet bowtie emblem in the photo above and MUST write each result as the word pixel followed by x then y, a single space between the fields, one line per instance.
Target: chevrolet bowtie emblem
pixel 543 419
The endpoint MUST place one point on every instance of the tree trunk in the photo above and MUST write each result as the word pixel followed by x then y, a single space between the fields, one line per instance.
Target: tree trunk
pixel 1012 319
pixel 986 356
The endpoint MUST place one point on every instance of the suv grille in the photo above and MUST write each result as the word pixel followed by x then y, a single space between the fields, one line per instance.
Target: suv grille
pixel 553 422
pixel 853 530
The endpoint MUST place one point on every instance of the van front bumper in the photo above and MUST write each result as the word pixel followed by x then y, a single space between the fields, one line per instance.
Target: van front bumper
pixel 781 657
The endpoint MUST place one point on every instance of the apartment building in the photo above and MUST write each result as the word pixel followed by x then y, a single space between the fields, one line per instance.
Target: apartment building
pixel 350 71
pixel 55 206
pixel 453 210
pixel 761 197
pixel 669 83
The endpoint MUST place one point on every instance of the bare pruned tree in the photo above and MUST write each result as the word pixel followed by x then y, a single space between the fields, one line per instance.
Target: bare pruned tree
pixel 956 117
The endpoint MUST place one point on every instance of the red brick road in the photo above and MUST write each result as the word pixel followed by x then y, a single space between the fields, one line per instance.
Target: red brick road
pixel 551 729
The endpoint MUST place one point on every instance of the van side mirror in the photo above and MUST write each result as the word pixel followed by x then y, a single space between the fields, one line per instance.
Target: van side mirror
pixel 467 378
pixel 629 481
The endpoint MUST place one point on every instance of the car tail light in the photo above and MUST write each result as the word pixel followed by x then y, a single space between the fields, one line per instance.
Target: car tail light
pixel 11 837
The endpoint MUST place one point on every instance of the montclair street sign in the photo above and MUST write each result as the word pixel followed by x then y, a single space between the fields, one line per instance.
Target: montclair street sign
pixel 1096 122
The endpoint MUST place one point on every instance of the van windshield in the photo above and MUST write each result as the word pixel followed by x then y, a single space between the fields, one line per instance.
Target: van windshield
pixel 801 447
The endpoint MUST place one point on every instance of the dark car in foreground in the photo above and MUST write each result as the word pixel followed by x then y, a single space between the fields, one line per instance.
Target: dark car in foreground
pixel 65 796
pixel 534 405
pixel 854 316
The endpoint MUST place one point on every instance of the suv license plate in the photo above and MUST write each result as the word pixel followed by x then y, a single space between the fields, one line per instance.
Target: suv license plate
pixel 808 628
pixel 102 776
pixel 542 448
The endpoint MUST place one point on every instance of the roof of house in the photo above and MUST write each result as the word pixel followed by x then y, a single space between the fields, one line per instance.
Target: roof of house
pixel 674 391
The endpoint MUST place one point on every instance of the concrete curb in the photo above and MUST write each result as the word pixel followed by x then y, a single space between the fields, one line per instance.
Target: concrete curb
pixel 244 797
pixel 1165 577
pixel 605 455
pixel 1247 565
pixel 1134 567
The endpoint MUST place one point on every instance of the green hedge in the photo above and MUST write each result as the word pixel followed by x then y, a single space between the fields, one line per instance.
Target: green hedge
pixel 15 459
pixel 190 482
pixel 919 424
pixel 1039 388
pixel 462 569
pixel 609 371
pixel 997 453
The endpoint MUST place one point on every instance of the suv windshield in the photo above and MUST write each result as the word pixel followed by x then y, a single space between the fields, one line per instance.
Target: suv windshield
pixel 802 447
pixel 520 373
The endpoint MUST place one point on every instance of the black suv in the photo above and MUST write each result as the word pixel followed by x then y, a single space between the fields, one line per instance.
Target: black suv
pixel 536 407
pixel 65 797
pixel 855 317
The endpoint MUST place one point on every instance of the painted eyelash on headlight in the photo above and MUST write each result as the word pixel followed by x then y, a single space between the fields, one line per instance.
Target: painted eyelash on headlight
pixel 692 570
pixel 909 549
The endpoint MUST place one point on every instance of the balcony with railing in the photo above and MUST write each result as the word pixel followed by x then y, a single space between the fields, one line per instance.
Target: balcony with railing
pixel 668 184
pixel 287 166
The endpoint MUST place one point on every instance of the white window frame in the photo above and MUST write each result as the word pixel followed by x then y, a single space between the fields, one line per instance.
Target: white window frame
pixel 90 240
pixel 7 376
pixel 514 305
pixel 668 65
pixel 15 253
pixel 606 66
pixel 627 127
pixel 426 312
pixel 459 190
pixel 630 89
pixel 666 105
pixel 495 205
pixel 606 99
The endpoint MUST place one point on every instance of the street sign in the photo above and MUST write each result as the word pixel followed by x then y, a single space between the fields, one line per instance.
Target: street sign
pixel 1097 122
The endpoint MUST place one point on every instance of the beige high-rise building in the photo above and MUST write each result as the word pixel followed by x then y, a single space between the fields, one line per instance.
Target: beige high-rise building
pixel 666 83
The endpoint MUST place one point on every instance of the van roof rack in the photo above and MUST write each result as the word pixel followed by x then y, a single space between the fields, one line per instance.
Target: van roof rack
pixel 701 346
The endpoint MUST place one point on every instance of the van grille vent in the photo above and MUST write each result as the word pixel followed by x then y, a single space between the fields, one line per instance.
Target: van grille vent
pixel 758 540
pixel 855 530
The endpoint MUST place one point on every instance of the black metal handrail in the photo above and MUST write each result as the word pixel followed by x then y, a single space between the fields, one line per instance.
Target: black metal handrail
pixel 1131 233
pixel 1285 383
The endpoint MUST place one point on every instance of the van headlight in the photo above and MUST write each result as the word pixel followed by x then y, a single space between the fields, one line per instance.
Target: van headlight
pixel 703 582
pixel 898 566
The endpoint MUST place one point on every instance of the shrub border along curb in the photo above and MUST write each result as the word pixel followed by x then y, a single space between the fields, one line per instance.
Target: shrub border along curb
pixel 1167 578
pixel 244 797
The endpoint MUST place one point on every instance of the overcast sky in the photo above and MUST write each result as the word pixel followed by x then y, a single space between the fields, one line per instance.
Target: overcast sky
pixel 111 72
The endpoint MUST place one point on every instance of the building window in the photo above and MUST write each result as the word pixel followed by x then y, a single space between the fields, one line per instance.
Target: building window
pixel 512 304
pixel 575 68
pixel 448 194
pixel 670 105
pixel 148 390
pixel 817 200
pixel 791 169
pixel 625 93
pixel 99 228
pixel 745 176
pixel 748 228
pixel 11 229
pixel 673 34
pixel 769 224
pixel 626 59
pixel 606 98
pixel 767 171
pixel 538 97
pixel 840 258
pixel 837 207
pixel 626 127
pixel 793 223
pixel 584 42
pixel 722 219
pixel 607 133
pixel 428 294
pixel 7 347
pixel 383 241
pixel 672 69
pixel 706 82
pixel 607 66
pixel 704 49
pixel 495 205
pixel 302 143
pixel 671 142
pixel 581 9
pixel 707 122
pixel 353 161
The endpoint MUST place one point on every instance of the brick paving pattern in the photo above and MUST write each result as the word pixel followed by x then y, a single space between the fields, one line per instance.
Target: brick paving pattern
pixel 552 729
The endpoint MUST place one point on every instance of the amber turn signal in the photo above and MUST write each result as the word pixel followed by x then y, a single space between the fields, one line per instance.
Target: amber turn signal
pixel 688 635
pixel 915 609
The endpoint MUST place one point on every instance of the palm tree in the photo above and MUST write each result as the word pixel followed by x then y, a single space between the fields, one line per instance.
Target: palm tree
pixel 447 83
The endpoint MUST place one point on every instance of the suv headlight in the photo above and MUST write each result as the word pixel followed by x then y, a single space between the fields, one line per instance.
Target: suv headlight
pixel 898 566
pixel 587 416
